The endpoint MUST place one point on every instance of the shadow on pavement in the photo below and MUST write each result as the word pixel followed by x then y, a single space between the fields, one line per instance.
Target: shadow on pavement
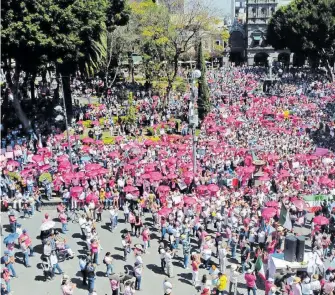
pixel 77 236
pixel 100 274
pixel 155 268
pixel 79 283
pixel 40 278
pixel 117 257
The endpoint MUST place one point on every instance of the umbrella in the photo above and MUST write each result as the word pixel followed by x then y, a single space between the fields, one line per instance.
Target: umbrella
pixel 129 189
pixel 164 211
pixel 190 201
pixel 45 167
pixel 13 163
pixel 146 176
pixel 92 166
pixel 80 174
pixel 129 167
pixel 273 204
pixel 156 176
pixel 10 238
pixel 164 188
pixel 46 176
pixel 321 220
pixel 113 155
pixel 213 188
pixel 62 158
pixel 188 174
pixel 76 190
pixel 172 176
pixel 38 158
pixel 47 225
pixel 201 189
pixel 88 140
pixel 91 197
pixel 267 213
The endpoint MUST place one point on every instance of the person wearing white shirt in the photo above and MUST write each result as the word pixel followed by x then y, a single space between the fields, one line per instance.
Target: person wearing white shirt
pixel 168 260
pixel 233 278
pixel 315 284
pixel 82 224
pixel 222 257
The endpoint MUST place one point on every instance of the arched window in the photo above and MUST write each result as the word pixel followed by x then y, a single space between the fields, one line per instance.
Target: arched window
pixel 263 11
pixel 253 10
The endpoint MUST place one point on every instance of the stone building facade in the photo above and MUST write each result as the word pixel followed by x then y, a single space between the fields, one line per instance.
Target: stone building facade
pixel 258 14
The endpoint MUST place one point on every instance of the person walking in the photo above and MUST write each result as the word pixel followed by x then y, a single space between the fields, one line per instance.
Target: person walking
pixel 63 219
pixel 195 269
pixel 138 269
pixel 54 263
pixel 9 261
pixel 66 285
pixel 168 260
pixel 222 254
pixel 5 277
pixel 108 260
pixel 233 277
pixel 250 280
pixel 186 250
pixel 82 265
pixel 24 238
pixel 90 276
pixel 222 284
pixel 25 251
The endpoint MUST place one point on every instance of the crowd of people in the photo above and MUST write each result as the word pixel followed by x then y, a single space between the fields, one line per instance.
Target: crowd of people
pixel 259 157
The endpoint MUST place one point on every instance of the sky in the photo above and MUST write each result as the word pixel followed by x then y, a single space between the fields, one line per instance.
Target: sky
pixel 224 6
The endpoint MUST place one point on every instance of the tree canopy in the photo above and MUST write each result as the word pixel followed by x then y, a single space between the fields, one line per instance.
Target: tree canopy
pixel 306 27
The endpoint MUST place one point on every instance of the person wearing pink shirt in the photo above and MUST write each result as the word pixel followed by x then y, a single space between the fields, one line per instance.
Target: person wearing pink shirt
pixel 146 238
pixel 24 238
pixel 63 219
pixel 250 280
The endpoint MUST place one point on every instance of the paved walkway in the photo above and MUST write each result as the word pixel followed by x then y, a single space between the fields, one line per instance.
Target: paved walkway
pixel 31 279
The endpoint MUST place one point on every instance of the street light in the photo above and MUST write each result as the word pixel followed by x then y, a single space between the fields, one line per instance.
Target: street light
pixel 62 110
pixel 270 61
pixel 193 117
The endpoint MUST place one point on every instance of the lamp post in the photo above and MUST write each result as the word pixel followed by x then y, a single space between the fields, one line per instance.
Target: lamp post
pixel 270 61
pixel 193 117
pixel 62 110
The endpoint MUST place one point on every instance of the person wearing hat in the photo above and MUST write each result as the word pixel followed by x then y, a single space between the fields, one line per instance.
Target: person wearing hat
pixel 9 260
pixel 296 286
pixel 167 285
pixel 5 277
pixel 24 238
pixel 67 286
pixel 206 291
pixel 315 284
pixel 233 278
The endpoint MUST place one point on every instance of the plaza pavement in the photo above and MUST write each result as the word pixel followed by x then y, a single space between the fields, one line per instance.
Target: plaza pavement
pixel 30 280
